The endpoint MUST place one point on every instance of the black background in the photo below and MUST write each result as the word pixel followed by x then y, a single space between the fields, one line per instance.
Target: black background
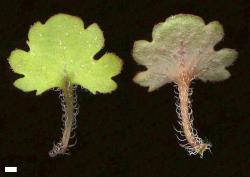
pixel 127 133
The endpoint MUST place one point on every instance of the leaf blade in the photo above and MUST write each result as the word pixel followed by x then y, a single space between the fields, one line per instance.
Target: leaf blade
pixel 61 48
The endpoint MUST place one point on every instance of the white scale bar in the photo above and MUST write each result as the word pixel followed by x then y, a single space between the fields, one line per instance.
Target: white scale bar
pixel 10 169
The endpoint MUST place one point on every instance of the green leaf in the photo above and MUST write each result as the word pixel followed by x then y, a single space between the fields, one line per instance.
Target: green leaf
pixel 61 48
pixel 182 40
